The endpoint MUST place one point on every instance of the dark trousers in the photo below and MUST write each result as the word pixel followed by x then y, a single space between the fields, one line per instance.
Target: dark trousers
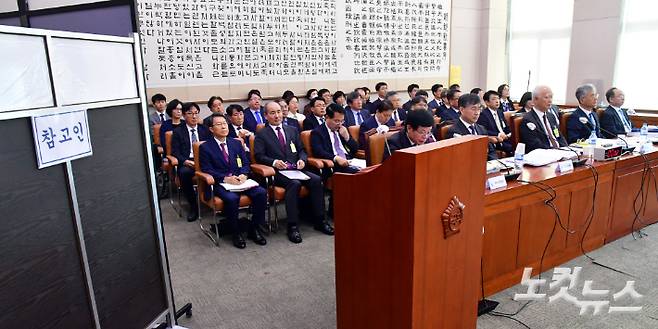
pixel 258 197
pixel 505 146
pixel 316 196
pixel 326 174
pixel 185 174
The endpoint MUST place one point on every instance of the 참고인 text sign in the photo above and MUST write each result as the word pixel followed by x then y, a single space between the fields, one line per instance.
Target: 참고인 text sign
pixel 61 137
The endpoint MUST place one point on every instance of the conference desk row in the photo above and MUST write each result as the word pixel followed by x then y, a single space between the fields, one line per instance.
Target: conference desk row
pixel 518 223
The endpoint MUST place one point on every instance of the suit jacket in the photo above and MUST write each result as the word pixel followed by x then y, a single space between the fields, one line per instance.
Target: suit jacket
pixel 371 123
pixel 372 107
pixel 311 122
pixel 154 118
pixel 577 130
pixel 487 120
pixel 350 120
pixel 448 114
pixel 612 124
pixel 165 127
pixel 434 104
pixel 250 122
pixel 267 147
pixel 292 123
pixel 402 114
pixel 180 141
pixel 458 127
pixel 407 106
pixel 323 148
pixel 396 142
pixel 212 160
pixel 537 138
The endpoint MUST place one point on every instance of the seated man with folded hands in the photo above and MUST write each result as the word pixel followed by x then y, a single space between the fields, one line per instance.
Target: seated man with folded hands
pixel 225 160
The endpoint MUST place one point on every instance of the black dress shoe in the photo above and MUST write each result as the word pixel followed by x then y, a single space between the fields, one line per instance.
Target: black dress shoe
pixel 238 241
pixel 293 235
pixel 192 216
pixel 257 237
pixel 325 228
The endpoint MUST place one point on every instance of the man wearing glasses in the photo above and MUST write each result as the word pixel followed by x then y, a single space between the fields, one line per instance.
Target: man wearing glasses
pixel 584 119
pixel 466 124
pixel 181 148
pixel 417 128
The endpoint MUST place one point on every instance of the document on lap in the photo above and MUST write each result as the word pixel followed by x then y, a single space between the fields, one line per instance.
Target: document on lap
pixel 358 163
pixel 294 174
pixel 249 183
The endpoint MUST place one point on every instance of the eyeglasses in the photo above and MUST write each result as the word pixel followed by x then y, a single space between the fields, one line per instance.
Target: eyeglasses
pixel 220 124
pixel 192 113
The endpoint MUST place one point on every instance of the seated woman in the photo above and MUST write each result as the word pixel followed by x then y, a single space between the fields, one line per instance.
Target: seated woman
pixel 174 111
pixel 526 102
pixel 293 108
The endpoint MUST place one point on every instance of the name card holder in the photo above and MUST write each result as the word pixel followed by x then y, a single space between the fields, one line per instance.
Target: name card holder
pixel 496 182
pixel 564 166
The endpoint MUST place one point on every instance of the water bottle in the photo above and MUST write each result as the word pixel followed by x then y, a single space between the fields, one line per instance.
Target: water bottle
pixel 592 139
pixel 518 155
pixel 644 132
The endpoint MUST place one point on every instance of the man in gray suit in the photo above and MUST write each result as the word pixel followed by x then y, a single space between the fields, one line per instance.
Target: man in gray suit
pixel 615 120
pixel 159 116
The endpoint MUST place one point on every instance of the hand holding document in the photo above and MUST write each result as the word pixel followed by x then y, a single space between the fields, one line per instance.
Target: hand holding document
pixel 358 163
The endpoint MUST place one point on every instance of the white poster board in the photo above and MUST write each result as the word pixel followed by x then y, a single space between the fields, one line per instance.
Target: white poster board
pixel 226 43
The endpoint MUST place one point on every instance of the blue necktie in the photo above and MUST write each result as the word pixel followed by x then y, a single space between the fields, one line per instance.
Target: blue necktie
pixel 258 118
pixel 473 131
pixel 591 119
pixel 360 118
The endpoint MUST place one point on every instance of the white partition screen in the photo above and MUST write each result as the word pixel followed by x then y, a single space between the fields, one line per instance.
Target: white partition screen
pixel 25 79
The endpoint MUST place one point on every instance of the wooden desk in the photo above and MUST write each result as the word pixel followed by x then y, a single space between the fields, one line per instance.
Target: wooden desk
pixel 518 224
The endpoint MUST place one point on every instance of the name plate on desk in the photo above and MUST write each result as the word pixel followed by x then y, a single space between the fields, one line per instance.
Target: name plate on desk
pixel 564 166
pixel 496 182
pixel 61 137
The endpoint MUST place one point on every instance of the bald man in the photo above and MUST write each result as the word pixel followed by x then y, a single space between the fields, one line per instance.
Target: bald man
pixel 539 129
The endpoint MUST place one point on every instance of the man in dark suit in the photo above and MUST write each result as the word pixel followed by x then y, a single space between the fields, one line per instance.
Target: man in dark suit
pixel 253 115
pixel 451 113
pixel 538 127
pixel 470 109
pixel 434 105
pixel 181 148
pixel 332 141
pixel 355 114
pixel 225 160
pixel 417 128
pixel 615 120
pixel 381 88
pixel 584 119
pixel 399 114
pixel 279 146
pixel 382 117
pixel 412 89
pixel 316 117
pixel 493 120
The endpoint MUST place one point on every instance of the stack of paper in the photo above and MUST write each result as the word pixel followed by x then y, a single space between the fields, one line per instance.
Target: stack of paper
pixel 294 174
pixel 542 157
pixel 249 183
pixel 359 163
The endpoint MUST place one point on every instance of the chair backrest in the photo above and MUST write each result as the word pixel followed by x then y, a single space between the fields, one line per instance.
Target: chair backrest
pixel 516 129
pixel 259 126
pixel 599 112
pixel 354 132
pixel 306 141
pixel 168 136
pixel 195 150
pixel 509 115
pixel 376 147
pixel 563 123
pixel 156 134
pixel 443 131
pixel 301 123
pixel 251 150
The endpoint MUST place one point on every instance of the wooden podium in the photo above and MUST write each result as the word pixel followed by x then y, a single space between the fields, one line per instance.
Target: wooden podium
pixel 394 266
